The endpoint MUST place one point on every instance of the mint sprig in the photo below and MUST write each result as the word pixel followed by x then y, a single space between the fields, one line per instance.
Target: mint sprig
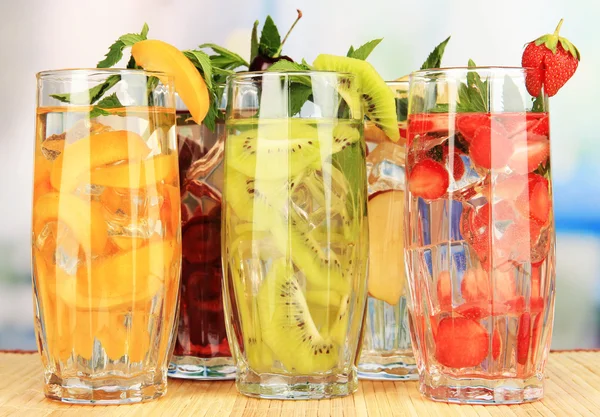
pixel 254 41
pixel 363 51
pixel 115 51
pixel 270 40
pixel 434 60
pixel 224 58
pixel 109 102
pixel 473 96
pixel 90 96
pixel 300 89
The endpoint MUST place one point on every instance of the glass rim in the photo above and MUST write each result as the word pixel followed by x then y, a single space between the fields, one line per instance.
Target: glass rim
pixel 430 72
pixel 251 75
pixel 100 71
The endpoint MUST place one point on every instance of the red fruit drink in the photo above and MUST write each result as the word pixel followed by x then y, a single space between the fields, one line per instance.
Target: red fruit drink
pixel 480 255
pixel 201 349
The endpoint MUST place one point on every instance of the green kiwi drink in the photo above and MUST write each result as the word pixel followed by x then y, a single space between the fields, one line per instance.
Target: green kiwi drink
pixel 295 240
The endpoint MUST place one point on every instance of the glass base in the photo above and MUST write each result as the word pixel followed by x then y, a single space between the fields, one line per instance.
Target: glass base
pixel 191 367
pixel 106 391
pixel 481 391
pixel 388 367
pixel 281 387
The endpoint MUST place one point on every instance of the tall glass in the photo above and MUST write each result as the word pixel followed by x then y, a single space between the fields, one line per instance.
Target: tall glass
pixel 295 232
pixel 106 246
pixel 201 348
pixel 387 351
pixel 480 235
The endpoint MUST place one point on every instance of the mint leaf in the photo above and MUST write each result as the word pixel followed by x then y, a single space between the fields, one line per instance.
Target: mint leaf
pixel 365 50
pixel 299 94
pixel 144 32
pixel 109 102
pixel 130 39
pixel 350 52
pixel 201 60
pixel 434 60
pixel 226 55
pixel 254 42
pixel 285 65
pixel 473 96
pixel 90 96
pixel 113 56
pixel 270 41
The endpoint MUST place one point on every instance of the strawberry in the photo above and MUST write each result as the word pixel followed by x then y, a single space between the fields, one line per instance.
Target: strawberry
pixel 523 338
pixel 534 203
pixel 444 290
pixel 461 343
pixel 468 123
pixel 457 166
pixel 551 61
pixel 475 285
pixel 490 147
pixel 496 344
pixel 539 127
pixel 529 153
pixel 428 179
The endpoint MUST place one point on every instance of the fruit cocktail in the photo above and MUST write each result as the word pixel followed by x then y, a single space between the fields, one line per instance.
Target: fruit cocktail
pixel 480 234
pixel 106 234
pixel 201 348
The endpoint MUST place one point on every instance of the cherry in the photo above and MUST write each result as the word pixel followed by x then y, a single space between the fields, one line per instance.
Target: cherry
pixel 262 63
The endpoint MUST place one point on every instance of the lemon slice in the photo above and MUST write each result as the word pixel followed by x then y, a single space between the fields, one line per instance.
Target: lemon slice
pixel 155 55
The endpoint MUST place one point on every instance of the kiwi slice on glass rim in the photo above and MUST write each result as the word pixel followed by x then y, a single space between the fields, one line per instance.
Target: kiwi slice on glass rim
pixel 377 98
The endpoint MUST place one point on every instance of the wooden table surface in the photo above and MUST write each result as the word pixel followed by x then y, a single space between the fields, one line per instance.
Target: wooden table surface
pixel 572 388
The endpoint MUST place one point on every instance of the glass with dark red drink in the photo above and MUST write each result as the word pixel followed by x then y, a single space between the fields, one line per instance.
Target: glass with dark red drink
pixel 201 350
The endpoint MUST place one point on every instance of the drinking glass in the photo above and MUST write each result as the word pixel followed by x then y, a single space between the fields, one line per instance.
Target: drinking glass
pixel 295 232
pixel 201 348
pixel 480 235
pixel 106 246
pixel 387 351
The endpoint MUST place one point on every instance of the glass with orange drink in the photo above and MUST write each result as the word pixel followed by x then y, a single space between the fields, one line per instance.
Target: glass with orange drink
pixel 106 245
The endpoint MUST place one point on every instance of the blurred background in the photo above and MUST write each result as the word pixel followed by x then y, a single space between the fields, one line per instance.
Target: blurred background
pixel 37 36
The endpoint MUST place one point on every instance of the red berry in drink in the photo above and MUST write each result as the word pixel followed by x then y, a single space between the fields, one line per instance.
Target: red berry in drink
pixel 428 179
pixel 534 202
pixel 530 151
pixel 490 148
pixel 461 343
pixel 475 285
pixel 468 123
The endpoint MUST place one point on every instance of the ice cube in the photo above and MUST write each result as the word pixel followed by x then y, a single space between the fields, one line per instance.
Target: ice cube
pixel 385 168
pixel 132 213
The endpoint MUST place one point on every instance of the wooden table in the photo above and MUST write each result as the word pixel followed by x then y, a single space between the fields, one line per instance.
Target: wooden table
pixel 572 389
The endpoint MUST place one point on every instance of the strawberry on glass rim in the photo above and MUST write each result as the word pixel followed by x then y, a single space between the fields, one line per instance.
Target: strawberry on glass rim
pixel 553 60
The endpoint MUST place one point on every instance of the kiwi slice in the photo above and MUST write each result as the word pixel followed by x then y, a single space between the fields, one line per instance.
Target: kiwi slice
pixel 287 326
pixel 282 149
pixel 377 98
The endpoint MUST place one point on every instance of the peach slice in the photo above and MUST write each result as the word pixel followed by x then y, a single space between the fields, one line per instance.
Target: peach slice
pixel 85 220
pixel 94 151
pixel 155 55
pixel 123 279
pixel 139 174
pixel 386 246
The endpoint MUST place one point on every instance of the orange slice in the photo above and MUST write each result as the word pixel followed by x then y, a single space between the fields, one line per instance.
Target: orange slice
pixel 95 151
pixel 123 279
pixel 154 55
pixel 85 220
pixel 138 174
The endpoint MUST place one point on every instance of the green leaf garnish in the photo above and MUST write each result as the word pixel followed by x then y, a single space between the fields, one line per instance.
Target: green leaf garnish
pixel 270 40
pixel 108 102
pixel 225 58
pixel 473 96
pixel 434 60
pixel 300 89
pixel 90 96
pixel 538 104
pixel 201 60
pixel 113 56
pixel 364 51
pixel 115 51
pixel 254 42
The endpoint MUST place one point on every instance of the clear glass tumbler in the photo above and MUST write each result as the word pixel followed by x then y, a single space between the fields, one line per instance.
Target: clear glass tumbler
pixel 387 351
pixel 106 245
pixel 480 235
pixel 201 348
pixel 295 232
